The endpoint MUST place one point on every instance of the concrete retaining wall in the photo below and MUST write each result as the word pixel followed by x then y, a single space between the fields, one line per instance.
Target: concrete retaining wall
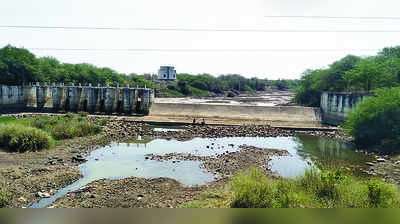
pixel 335 106
pixel 268 113
pixel 45 98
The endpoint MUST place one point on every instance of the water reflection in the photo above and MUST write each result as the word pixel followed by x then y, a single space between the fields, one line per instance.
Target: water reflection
pixel 121 160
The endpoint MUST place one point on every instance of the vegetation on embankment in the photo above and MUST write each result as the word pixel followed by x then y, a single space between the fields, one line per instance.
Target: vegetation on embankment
pixel 376 120
pixel 36 134
pixel 351 74
pixel 315 189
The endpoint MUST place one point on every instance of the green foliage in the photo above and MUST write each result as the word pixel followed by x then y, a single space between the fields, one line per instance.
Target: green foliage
pixel 171 93
pixel 20 138
pixel 4 198
pixel 376 118
pixel 284 84
pixel 103 123
pixel 351 73
pixel 74 129
pixel 18 66
pixel 315 189
pixel 208 83
pixel 35 134
pixel 197 92
pixel 83 114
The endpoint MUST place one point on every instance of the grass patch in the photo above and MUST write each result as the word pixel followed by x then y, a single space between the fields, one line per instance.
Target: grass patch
pixel 20 138
pixel 102 123
pixel 4 198
pixel 317 188
pixel 171 93
pixel 69 130
pixel 197 92
pixel 35 134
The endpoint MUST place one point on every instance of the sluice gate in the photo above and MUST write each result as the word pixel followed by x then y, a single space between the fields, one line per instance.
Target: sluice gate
pixel 108 100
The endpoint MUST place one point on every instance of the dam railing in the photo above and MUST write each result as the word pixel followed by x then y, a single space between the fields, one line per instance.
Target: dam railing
pixel 53 98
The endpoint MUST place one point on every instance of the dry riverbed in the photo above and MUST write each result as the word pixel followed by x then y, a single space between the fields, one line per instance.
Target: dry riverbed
pixel 32 176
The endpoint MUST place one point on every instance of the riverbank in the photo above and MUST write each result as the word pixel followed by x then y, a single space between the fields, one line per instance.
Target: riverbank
pixel 27 174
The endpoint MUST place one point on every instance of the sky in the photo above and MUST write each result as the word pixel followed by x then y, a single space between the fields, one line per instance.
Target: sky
pixel 204 14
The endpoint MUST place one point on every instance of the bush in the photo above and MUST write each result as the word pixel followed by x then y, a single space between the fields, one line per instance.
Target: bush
pixel 376 119
pixel 42 122
pixel 103 123
pixel 20 138
pixel 317 188
pixel 83 114
pixel 74 129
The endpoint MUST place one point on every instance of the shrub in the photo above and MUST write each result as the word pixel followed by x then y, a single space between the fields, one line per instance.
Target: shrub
pixel 103 123
pixel 69 115
pixel 83 114
pixel 74 129
pixel 4 198
pixel 20 138
pixel 252 190
pixel 381 195
pixel 316 188
pixel 376 119
pixel 42 121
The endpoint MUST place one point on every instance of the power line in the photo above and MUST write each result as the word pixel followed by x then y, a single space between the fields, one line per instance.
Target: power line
pixel 196 29
pixel 196 50
pixel 338 17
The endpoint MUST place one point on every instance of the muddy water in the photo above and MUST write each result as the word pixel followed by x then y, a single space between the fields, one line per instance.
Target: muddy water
pixel 121 160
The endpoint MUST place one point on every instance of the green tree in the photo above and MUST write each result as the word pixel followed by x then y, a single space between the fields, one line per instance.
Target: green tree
pixel 376 118
pixel 17 66
pixel 368 74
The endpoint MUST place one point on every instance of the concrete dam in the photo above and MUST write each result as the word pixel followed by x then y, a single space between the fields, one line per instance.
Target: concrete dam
pixel 108 100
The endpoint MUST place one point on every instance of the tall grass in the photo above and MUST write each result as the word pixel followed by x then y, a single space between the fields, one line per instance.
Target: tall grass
pixel 35 134
pixel 316 188
pixel 4 198
pixel 74 129
pixel 20 138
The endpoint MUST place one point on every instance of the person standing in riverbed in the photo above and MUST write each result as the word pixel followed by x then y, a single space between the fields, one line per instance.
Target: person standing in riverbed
pixel 194 120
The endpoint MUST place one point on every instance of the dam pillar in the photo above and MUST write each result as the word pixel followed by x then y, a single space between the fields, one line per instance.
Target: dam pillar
pixel 109 96
pixel 127 97
pixel 75 98
pixel 336 106
pixel 91 99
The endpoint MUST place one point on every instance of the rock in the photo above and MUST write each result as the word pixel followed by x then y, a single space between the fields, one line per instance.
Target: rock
pixel 22 200
pixel 78 158
pixel 369 164
pixel 42 195
pixel 380 160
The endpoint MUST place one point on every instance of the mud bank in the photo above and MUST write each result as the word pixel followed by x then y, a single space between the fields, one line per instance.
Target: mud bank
pixel 165 192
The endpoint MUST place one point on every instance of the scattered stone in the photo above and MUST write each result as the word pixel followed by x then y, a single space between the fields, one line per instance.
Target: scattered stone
pixel 369 164
pixel 380 160
pixel 42 195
